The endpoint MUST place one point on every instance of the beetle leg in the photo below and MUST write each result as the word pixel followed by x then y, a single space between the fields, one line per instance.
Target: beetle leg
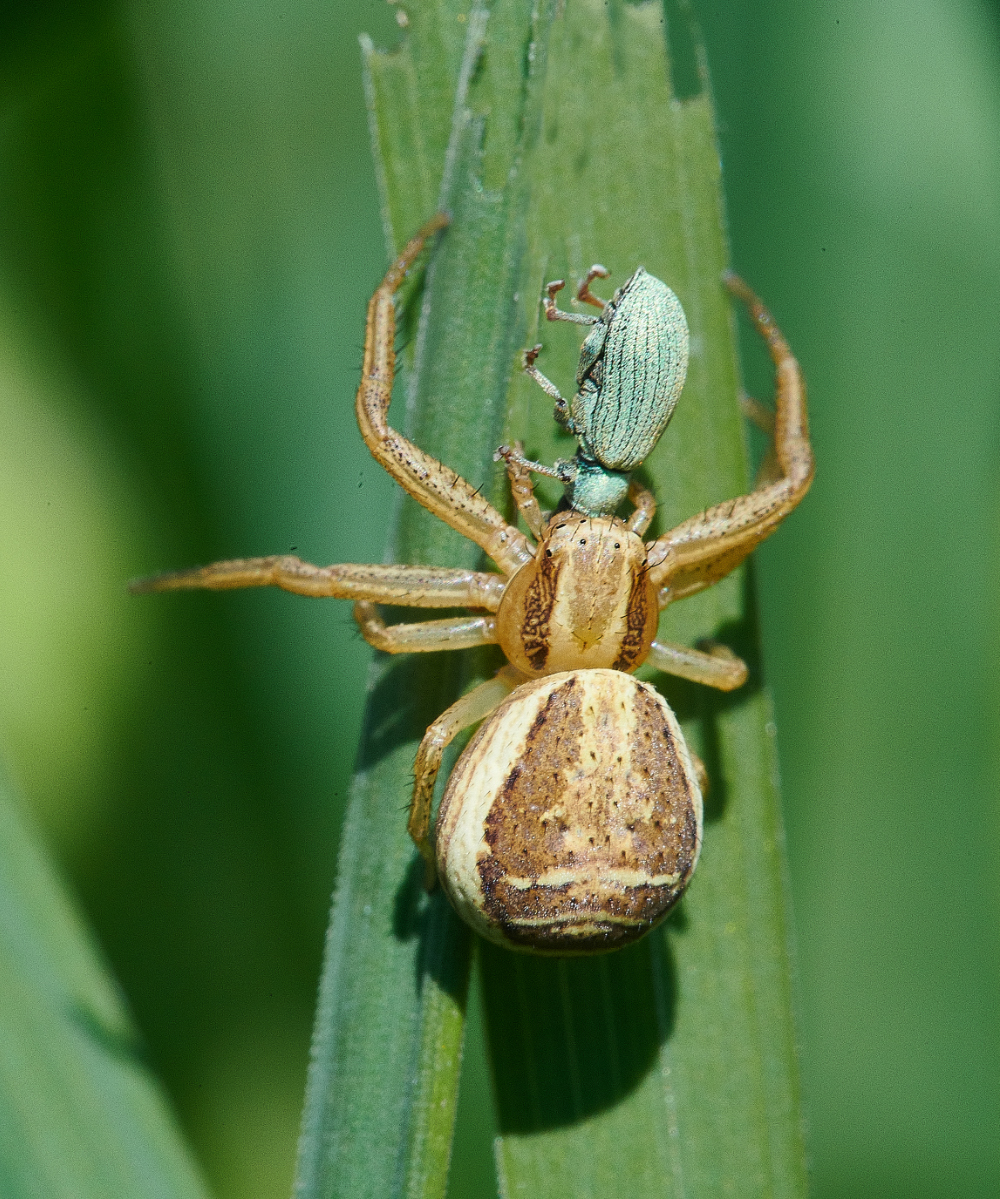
pixel 553 313
pixel 405 586
pixel 561 411
pixel 479 703
pixel 520 486
pixel 584 294
pixel 645 507
pixel 564 469
pixel 702 550
pixel 426 636
pixel 432 484
pixel 562 415
pixel 718 667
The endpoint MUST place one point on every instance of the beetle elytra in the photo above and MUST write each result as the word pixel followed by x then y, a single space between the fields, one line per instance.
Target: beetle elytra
pixel 632 368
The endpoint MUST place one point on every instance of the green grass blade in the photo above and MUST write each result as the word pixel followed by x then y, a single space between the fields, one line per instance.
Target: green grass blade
pixel 387 1044
pixel 670 1068
pixel 80 1115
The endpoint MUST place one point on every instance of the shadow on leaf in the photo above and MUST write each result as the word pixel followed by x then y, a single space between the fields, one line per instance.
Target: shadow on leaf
pixel 556 1060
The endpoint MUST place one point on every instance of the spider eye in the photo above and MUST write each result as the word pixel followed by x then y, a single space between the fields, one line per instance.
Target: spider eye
pixel 618 545
pixel 548 553
pixel 583 541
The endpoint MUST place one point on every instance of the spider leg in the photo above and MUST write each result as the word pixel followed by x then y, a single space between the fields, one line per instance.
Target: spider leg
pixel 718 667
pixel 769 470
pixel 426 636
pixel 432 484
pixel 645 507
pixel 757 413
pixel 702 550
pixel 479 703
pixel 520 486
pixel 700 773
pixel 404 586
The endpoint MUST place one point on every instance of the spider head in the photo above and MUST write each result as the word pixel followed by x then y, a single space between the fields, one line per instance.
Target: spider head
pixel 584 601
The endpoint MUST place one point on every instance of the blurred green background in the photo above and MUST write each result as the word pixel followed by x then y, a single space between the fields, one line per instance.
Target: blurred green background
pixel 188 236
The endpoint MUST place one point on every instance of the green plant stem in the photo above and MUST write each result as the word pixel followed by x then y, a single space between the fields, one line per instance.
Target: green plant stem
pixel 669 1068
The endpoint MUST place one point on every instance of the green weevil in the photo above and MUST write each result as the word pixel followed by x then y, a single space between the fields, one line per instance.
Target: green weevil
pixel 631 372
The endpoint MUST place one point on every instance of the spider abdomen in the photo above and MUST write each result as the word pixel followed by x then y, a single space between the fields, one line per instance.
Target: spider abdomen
pixel 572 822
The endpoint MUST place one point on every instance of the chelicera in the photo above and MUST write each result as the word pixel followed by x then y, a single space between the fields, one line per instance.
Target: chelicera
pixel 572 821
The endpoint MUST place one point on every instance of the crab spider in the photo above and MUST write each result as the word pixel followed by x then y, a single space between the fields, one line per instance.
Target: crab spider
pixel 572 821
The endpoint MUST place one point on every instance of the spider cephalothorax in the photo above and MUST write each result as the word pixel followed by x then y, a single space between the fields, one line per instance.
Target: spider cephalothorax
pixel 585 599
pixel 572 821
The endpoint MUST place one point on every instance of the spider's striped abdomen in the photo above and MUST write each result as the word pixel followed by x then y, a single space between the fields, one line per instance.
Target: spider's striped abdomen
pixel 572 822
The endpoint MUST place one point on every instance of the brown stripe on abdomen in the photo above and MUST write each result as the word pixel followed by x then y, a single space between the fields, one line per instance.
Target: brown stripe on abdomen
pixel 523 828
pixel 594 833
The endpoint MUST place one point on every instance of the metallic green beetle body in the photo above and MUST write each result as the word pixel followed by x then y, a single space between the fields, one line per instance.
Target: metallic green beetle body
pixel 632 369
pixel 630 375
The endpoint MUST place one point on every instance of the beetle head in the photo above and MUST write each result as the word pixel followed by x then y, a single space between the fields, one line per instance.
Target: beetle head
pixel 593 490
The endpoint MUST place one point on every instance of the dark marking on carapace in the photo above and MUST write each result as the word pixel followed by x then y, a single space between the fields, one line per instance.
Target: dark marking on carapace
pixel 539 600
pixel 634 645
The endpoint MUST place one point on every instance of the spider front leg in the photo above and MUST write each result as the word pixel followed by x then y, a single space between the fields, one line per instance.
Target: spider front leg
pixel 645 507
pixel 440 490
pixel 704 549
pixel 475 706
